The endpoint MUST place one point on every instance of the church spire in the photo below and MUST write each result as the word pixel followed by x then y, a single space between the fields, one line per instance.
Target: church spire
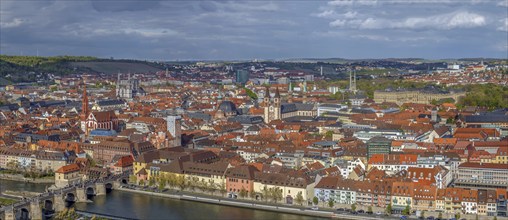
pixel 277 93
pixel 84 109
pixel 84 104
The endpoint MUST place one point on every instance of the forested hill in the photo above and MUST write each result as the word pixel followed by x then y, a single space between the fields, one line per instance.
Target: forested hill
pixel 26 68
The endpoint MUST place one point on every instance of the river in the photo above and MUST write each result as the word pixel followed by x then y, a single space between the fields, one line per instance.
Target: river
pixel 139 206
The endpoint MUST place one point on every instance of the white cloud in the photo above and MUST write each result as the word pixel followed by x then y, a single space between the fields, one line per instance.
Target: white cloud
pixel 350 14
pixel 16 22
pixel 341 3
pixel 459 19
pixel 503 3
pixel 338 23
pixel 326 14
pixel 373 37
pixel 504 25
pixel 352 2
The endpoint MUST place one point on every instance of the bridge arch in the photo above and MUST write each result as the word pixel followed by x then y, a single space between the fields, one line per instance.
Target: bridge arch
pixel 48 205
pixel 70 197
pixel 90 191
pixel 109 187
pixel 24 214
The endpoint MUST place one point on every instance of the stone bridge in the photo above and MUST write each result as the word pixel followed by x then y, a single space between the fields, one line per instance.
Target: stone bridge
pixel 57 200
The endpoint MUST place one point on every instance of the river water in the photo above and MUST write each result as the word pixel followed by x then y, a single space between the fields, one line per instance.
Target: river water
pixel 140 206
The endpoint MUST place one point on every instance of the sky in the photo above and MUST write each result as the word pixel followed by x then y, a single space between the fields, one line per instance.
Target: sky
pixel 244 30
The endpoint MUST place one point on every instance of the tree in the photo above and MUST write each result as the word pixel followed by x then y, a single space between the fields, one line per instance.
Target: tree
pixel 495 218
pixel 457 215
pixel 315 200
pixel 252 194
pixel 369 209
pixel 141 182
pixel 440 215
pixel 331 203
pixel 299 198
pixel 422 214
pixel 353 207
pixel 67 214
pixel 132 179
pixel 276 194
pixel 162 185
pixel 406 210
pixel 388 209
pixel 266 193
pixel 243 193
pixel 181 182
pixel 329 134
pixel 151 181
pixel 222 189
pixel 212 187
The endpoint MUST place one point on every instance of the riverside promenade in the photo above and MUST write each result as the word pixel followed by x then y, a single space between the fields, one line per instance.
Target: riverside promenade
pixel 195 197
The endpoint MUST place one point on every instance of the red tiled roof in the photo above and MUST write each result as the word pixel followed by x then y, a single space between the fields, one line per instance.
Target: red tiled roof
pixel 68 168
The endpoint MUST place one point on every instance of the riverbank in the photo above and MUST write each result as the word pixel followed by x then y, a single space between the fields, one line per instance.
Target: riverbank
pixel 21 178
pixel 249 205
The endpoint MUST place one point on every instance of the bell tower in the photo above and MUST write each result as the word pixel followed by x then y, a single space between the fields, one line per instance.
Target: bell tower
pixel 84 109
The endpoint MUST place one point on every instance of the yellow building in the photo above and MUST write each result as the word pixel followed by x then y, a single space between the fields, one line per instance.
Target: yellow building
pixel 290 186
pixel 67 175
pixel 414 96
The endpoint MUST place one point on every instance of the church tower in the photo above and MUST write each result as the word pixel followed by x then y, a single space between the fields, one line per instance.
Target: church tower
pixel 276 105
pixel 266 106
pixel 84 110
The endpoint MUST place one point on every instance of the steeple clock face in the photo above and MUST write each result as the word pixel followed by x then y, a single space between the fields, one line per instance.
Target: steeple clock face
pixel 271 108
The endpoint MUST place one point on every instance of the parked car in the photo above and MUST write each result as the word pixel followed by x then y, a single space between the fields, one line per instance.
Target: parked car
pixel 370 213
pixel 354 213
pixel 403 217
pixel 315 208
pixel 430 218
pixel 361 211
pixel 340 210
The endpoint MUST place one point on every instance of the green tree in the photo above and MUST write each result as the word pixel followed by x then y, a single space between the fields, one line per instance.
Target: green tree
pixel 299 198
pixel 243 193
pixel 212 187
pixel 162 185
pixel 331 203
pixel 457 215
pixel 422 214
pixel 181 182
pixel 329 134
pixel 133 179
pixel 440 215
pixel 406 210
pixel 276 194
pixel 315 200
pixel 265 192
pixel 353 207
pixel 369 209
pixel 252 194
pixel 151 181
pixel 222 189
pixel 388 209
pixel 142 182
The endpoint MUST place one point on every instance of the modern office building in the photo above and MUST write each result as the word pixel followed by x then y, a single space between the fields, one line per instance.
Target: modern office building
pixel 242 76
pixel 378 145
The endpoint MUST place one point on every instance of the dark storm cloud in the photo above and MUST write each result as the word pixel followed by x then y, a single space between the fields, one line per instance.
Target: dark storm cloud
pixel 255 29
pixel 119 6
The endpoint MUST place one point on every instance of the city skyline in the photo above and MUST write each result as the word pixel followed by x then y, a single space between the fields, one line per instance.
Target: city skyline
pixel 243 30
